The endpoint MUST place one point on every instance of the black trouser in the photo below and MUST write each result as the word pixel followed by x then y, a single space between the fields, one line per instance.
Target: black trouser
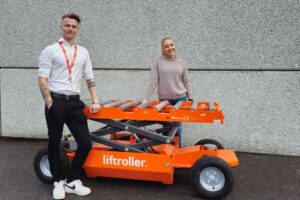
pixel 67 112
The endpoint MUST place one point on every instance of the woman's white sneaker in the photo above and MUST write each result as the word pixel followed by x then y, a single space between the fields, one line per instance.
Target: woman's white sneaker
pixel 59 190
pixel 76 187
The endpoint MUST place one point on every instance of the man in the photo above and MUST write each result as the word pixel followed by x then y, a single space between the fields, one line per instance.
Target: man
pixel 61 69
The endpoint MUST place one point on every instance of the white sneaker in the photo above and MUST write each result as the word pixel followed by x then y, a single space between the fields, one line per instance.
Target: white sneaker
pixel 59 190
pixel 76 187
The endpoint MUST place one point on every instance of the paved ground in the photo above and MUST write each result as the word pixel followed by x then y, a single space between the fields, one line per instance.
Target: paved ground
pixel 259 177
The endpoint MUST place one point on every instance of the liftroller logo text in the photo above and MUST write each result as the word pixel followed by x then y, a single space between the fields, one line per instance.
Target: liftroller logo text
pixel 130 161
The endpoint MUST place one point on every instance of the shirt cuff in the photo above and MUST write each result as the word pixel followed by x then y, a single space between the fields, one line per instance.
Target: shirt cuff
pixel 44 75
pixel 89 77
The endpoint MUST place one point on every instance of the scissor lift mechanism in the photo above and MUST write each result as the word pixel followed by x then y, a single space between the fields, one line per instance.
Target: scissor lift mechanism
pixel 135 116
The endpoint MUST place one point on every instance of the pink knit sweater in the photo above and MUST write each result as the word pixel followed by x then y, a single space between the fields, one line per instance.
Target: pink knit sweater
pixel 170 77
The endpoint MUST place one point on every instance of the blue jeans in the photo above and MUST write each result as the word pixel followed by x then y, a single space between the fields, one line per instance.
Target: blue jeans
pixel 177 124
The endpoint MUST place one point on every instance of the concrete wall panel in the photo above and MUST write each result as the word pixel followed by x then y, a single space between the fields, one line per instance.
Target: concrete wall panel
pixel 126 34
pixel 261 108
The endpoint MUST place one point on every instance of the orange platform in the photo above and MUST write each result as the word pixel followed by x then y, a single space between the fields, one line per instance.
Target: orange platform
pixel 201 112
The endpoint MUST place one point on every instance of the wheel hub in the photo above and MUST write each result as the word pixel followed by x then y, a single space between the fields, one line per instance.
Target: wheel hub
pixel 45 167
pixel 212 179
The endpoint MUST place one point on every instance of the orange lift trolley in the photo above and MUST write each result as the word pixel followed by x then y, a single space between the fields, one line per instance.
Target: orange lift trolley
pixel 132 145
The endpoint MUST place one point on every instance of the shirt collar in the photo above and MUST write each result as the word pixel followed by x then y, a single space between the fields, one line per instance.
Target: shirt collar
pixel 65 42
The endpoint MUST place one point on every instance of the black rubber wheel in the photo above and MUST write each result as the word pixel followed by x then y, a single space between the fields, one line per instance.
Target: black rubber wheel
pixel 212 177
pixel 210 141
pixel 42 168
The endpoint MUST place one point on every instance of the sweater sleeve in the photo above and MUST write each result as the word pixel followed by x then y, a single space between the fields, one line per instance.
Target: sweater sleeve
pixel 186 81
pixel 153 81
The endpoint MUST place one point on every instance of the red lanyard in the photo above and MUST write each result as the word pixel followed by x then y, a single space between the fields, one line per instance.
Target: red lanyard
pixel 70 66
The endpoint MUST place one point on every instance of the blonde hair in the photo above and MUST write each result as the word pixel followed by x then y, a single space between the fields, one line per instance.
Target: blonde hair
pixel 163 40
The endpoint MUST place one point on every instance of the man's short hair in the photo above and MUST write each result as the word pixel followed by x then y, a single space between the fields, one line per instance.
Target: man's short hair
pixel 72 16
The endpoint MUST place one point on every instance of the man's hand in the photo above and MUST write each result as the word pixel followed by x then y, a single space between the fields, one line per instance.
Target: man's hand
pixel 49 104
pixel 43 85
pixel 94 108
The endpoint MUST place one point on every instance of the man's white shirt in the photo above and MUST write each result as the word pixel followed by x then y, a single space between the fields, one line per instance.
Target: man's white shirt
pixel 52 65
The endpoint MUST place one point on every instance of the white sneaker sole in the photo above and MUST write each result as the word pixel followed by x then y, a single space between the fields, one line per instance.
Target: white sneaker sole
pixel 70 191
pixel 59 196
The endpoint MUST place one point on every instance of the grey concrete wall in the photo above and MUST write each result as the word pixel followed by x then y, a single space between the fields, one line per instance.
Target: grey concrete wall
pixel 243 54
pixel 210 34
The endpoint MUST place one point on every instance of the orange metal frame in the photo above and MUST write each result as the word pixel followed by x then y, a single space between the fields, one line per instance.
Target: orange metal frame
pixel 201 114
pixel 159 163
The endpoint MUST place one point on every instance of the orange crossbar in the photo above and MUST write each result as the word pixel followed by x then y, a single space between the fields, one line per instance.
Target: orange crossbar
pixel 184 114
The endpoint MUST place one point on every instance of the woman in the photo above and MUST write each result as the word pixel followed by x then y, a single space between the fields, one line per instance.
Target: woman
pixel 169 75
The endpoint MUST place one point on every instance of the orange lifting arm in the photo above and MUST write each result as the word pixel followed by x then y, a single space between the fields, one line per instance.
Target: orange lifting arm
pixel 201 112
